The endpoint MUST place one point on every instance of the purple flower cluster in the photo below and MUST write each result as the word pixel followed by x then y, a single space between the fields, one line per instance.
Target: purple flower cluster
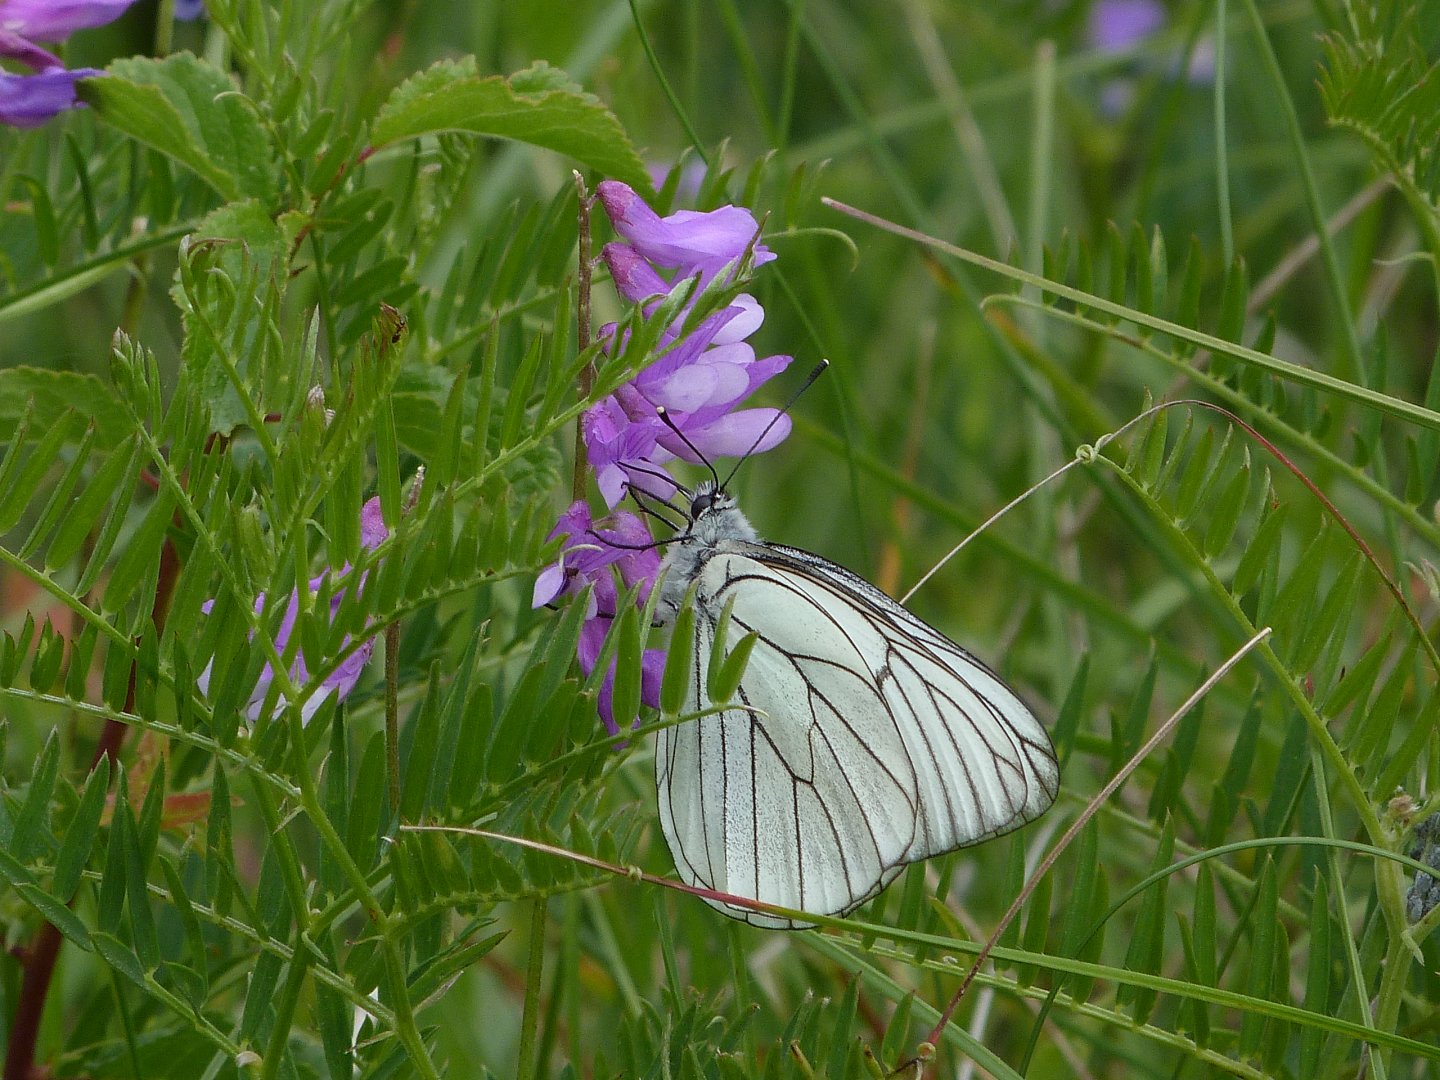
pixel 698 378
pixel 31 100
pixel 589 554
pixel 344 678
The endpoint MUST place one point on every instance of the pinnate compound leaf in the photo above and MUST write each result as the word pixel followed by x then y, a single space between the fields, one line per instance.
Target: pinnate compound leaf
pixel 539 106
pixel 190 111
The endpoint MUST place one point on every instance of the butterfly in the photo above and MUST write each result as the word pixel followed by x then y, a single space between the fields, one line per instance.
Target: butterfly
pixel 864 739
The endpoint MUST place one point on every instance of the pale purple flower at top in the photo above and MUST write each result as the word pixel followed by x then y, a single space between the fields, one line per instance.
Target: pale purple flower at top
pixel 1116 25
pixel 689 241
pixel 55 20
pixel 189 10
pixel 699 379
pixel 586 561
pixel 344 678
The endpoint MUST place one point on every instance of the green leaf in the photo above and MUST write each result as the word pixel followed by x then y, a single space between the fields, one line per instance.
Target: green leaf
pixel 539 106
pixel 1264 930
pixel 1146 950
pixel 1146 462
pixel 1226 510
pixel 219 849
pixel 110 479
pixel 137 896
pixel 896 1036
pixel 1318 970
pixel 423 731
pixel 80 832
pixel 47 238
pixel 111 902
pixel 370 798
pixel 1037 927
pixel 120 959
pixel 194 936
pixel 56 913
pixel 726 681
pixel 676 683
pixel 31 824
pixel 191 112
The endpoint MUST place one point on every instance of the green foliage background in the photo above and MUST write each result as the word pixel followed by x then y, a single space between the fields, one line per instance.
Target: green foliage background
pixel 246 195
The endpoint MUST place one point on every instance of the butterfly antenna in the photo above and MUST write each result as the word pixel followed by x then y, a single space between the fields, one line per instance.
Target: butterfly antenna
pixel 646 508
pixel 669 480
pixel 664 416
pixel 819 370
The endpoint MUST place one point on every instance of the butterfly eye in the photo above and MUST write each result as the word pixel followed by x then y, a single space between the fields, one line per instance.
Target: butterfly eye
pixel 702 502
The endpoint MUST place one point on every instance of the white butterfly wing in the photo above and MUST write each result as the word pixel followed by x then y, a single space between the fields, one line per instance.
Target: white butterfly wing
pixel 870 741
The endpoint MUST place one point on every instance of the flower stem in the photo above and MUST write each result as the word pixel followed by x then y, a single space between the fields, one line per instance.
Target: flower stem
pixel 582 330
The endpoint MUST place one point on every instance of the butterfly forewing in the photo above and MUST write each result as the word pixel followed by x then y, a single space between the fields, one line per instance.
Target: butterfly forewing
pixel 868 740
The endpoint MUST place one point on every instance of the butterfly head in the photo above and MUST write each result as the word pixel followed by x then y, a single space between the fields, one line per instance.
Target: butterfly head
pixel 714 516
pixel 709 498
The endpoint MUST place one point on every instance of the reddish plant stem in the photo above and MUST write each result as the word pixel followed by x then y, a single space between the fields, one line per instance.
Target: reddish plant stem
pixel 39 957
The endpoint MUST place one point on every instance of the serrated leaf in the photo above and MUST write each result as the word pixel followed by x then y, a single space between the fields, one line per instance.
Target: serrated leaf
pixel 539 106
pixel 192 112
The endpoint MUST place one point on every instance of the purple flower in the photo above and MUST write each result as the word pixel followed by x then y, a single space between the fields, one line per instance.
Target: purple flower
pixel 345 677
pixel 687 240
pixel 699 379
pixel 624 451
pixel 30 100
pixel 1116 25
pixel 54 20
pixel 586 561
pixel 189 10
